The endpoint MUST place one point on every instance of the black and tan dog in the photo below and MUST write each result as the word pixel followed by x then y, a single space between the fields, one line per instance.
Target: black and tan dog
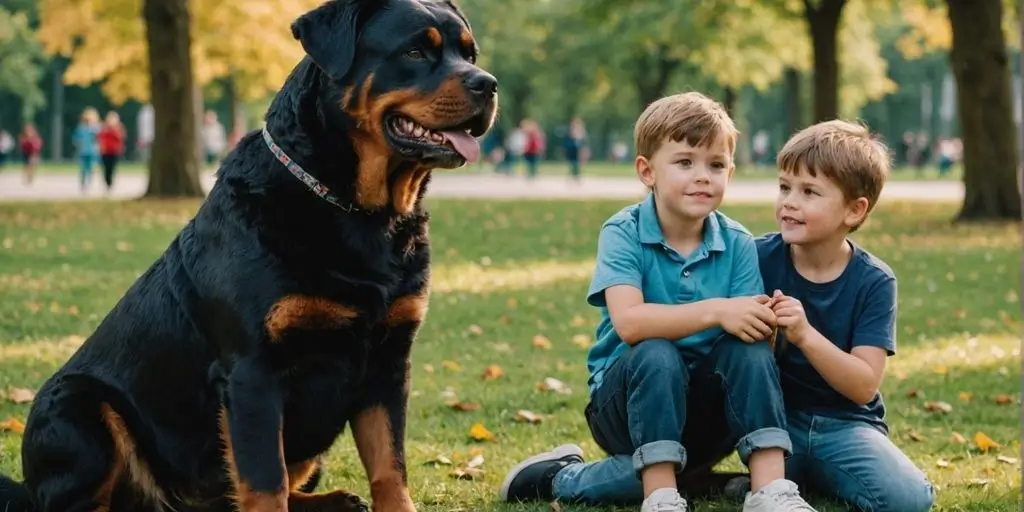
pixel 286 309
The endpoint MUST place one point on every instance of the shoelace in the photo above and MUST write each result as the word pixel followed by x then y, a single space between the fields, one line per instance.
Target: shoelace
pixel 675 505
pixel 792 499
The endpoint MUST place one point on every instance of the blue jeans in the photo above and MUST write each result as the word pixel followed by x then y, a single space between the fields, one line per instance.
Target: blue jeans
pixel 856 463
pixel 638 415
pixel 86 161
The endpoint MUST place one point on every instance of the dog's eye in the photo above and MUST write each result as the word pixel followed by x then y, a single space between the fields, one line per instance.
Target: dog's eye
pixel 416 54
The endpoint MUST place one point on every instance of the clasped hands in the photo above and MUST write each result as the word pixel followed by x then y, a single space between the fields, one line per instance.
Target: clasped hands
pixel 756 318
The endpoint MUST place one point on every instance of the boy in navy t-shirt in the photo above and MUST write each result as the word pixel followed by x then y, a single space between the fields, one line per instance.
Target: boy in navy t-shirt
pixel 836 310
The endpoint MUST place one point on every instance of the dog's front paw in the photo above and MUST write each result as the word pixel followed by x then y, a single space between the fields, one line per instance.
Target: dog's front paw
pixel 335 501
pixel 353 503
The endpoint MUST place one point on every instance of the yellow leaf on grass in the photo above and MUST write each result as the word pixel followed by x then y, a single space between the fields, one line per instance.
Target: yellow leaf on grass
pixel 964 396
pixel 492 372
pixel 476 330
pixel 957 438
pixel 13 425
pixel 20 395
pixel 480 433
pixel 937 406
pixel 1008 460
pixel 578 321
pixel 528 417
pixel 984 442
pixel 542 342
pixel 429 368
pixel 464 406
pixel 942 463
pixel 581 341
pixel 451 365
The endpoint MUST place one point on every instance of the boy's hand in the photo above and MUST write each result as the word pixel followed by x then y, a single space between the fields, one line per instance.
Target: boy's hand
pixel 791 317
pixel 747 318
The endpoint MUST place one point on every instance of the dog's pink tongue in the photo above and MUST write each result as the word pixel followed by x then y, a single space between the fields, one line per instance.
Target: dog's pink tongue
pixel 464 144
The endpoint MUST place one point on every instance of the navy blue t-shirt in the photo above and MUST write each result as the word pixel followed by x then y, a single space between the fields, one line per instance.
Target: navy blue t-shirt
pixel 855 309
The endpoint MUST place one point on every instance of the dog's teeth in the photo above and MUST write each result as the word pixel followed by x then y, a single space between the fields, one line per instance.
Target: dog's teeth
pixel 418 131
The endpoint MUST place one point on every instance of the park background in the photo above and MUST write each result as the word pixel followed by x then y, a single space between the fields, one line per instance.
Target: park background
pixel 499 369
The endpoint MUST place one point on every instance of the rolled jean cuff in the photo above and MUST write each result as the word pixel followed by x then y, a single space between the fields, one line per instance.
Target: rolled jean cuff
pixel 769 437
pixel 658 452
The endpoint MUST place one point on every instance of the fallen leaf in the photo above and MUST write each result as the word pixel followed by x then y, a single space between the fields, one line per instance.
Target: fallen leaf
pixel 476 330
pixel 20 395
pixel 73 310
pixel 123 246
pixel 984 442
pixel 915 436
pixel 467 473
pixel 512 303
pixel 528 417
pixel 501 347
pixel 448 393
pixel 13 425
pixel 937 406
pixel 915 393
pixel 492 372
pixel 464 406
pixel 440 460
pixel 542 342
pixel 1004 399
pixel 451 365
pixel 1008 460
pixel 581 341
pixel 578 321
pixel 429 368
pixel 964 396
pixel 957 438
pixel 942 463
pixel 480 433
pixel 476 461
pixel 940 369
pixel 553 384
pixel 978 482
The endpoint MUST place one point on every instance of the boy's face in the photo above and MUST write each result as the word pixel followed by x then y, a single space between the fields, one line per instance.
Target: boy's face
pixel 688 181
pixel 811 209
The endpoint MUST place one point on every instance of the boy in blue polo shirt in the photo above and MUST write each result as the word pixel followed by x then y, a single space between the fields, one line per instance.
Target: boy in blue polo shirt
pixel 681 343
pixel 836 309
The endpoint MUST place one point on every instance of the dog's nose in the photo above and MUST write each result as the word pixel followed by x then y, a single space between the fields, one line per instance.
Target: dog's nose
pixel 481 84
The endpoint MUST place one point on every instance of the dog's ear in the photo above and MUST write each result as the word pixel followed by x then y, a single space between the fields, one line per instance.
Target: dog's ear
pixel 329 33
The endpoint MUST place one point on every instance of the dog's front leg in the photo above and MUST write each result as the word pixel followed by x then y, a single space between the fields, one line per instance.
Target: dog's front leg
pixel 250 424
pixel 379 428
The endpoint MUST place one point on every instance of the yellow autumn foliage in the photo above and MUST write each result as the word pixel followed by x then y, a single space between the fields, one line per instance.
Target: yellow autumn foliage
pixel 930 30
pixel 106 41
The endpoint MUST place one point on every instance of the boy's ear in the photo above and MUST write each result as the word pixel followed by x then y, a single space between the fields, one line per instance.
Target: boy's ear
pixel 856 211
pixel 644 170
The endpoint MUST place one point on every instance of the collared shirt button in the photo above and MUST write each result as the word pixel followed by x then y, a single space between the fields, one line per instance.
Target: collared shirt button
pixel 686 273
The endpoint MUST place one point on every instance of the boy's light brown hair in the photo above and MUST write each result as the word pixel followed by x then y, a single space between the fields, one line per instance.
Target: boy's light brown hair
pixel 845 153
pixel 690 116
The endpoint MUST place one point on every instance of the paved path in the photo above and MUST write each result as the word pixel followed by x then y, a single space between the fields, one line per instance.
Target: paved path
pixel 129 185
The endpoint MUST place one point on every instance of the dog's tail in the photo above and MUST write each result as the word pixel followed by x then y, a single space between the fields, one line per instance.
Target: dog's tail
pixel 14 496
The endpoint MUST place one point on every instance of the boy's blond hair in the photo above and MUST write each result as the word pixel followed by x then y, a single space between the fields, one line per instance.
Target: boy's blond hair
pixel 844 153
pixel 689 116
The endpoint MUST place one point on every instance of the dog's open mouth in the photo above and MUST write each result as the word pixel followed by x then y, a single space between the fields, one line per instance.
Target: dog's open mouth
pixel 451 146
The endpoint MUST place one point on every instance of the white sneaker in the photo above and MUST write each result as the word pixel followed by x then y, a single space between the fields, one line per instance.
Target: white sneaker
pixel 664 500
pixel 778 496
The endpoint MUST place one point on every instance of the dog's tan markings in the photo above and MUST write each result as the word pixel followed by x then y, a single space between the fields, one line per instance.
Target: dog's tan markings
pixel 300 472
pixel 242 495
pixel 346 98
pixel 434 37
pixel 305 312
pixel 466 39
pixel 126 462
pixel 409 308
pixel 406 189
pixel 448 105
pixel 372 432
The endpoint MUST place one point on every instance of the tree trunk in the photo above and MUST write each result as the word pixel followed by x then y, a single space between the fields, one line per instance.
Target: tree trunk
pixel 794 114
pixel 981 66
pixel 729 101
pixel 823 22
pixel 173 167
pixel 651 86
pixel 57 113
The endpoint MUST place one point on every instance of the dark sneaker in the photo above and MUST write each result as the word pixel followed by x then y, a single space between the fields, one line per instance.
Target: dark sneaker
pixel 531 479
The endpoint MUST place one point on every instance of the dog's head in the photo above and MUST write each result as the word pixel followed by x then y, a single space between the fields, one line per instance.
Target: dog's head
pixel 406 77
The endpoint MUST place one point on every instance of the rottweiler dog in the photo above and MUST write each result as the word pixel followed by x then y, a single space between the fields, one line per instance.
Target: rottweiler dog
pixel 287 307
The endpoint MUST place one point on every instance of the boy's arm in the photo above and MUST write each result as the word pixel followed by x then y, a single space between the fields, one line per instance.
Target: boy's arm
pixel 635 321
pixel 856 375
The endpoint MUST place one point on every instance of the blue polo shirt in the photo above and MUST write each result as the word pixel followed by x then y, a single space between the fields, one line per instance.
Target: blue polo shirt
pixel 631 250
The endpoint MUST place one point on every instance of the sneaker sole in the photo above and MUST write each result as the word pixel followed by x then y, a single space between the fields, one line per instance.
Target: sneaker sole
pixel 562 451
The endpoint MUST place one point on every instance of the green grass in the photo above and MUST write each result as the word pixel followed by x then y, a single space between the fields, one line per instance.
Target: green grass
pixel 507 271
pixel 600 169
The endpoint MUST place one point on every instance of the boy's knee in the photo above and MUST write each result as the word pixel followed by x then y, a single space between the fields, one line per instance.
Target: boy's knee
pixel 655 356
pixel 916 497
pixel 734 351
